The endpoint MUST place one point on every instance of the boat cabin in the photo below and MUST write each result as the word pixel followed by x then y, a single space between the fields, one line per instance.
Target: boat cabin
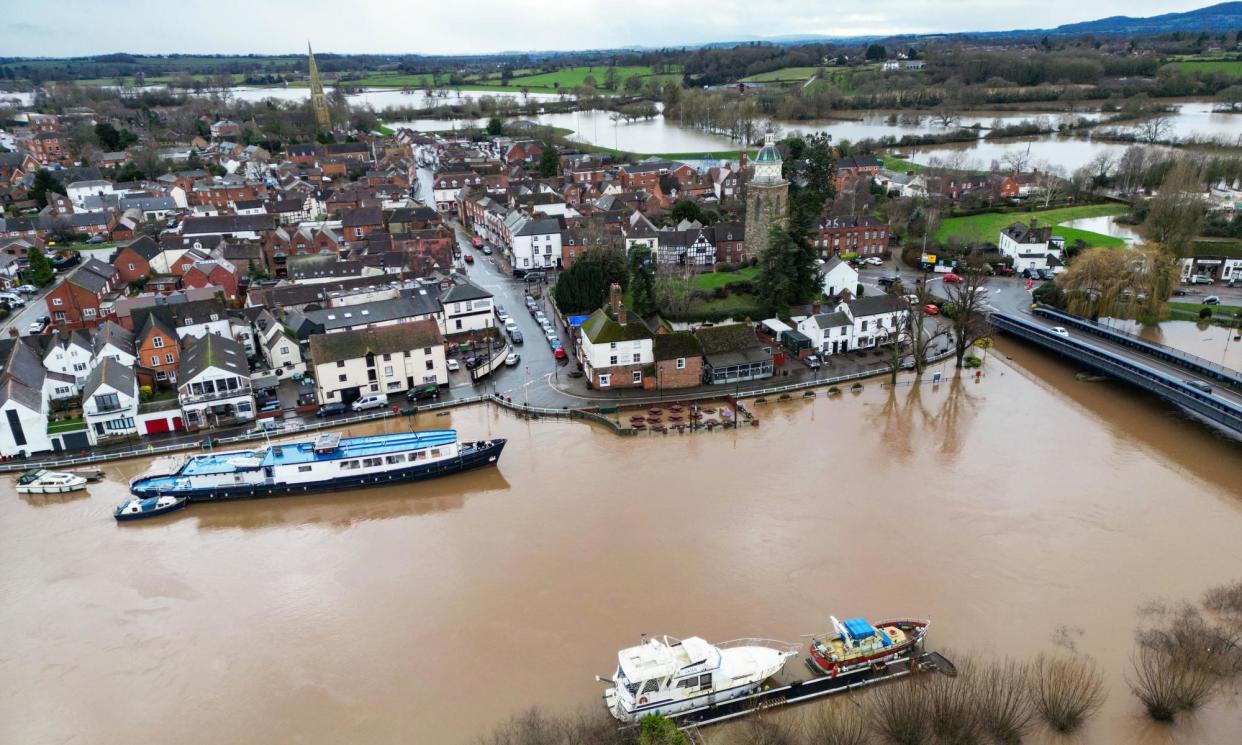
pixel 656 670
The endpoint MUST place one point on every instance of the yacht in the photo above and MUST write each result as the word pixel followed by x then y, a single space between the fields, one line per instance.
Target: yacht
pixel 669 676
pixel 330 462
pixel 39 481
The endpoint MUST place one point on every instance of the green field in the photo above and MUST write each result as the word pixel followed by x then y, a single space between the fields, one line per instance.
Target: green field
pixel 1191 311
pixel 1232 68
pixel 785 74
pixel 987 227
pixel 712 280
pixel 548 82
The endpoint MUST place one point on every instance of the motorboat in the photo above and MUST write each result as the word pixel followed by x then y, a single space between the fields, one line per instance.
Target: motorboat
pixel 39 481
pixel 138 509
pixel 667 676
pixel 857 644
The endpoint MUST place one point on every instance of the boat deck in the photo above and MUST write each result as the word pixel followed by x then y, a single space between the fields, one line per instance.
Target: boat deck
pixel 358 447
pixel 202 465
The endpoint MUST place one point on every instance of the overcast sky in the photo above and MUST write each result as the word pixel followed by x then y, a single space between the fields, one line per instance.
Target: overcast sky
pixel 81 27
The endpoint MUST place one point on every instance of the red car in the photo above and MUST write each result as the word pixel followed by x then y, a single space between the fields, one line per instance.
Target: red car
pixel 469 259
pixel 931 310
pixel 952 278
pixel 560 353
pixel 476 241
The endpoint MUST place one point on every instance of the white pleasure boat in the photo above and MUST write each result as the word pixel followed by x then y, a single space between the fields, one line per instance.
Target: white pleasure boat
pixel 669 676
pixel 38 481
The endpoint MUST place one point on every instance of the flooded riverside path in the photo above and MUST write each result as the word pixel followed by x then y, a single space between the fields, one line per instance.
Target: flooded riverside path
pixel 1016 511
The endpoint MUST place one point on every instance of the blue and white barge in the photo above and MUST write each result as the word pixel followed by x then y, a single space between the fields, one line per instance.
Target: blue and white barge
pixel 330 462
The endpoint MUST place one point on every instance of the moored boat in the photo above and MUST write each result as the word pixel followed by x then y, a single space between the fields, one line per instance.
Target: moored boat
pixel 856 644
pixel 330 462
pixel 137 509
pixel 39 481
pixel 90 474
pixel 669 676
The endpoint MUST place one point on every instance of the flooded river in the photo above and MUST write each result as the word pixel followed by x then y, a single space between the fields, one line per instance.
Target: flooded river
pixel 1013 511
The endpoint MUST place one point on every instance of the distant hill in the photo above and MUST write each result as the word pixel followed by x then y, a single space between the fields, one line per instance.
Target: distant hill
pixel 1214 18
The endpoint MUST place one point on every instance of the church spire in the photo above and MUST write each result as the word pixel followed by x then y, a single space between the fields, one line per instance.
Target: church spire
pixel 319 102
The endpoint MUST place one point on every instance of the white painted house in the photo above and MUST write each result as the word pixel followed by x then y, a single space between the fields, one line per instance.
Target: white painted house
pixel 467 307
pixel 23 402
pixel 861 323
pixel 536 243
pixel 838 276
pixel 1032 247
pixel 78 191
pixel 213 383
pixel 615 346
pixel 110 401
pixel 70 355
pixel 385 359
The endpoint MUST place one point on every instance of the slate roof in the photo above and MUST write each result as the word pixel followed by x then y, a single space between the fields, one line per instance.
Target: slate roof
pixel 21 377
pixel 111 332
pixel 210 351
pixel 832 320
pixel 395 339
pixel 144 246
pixel 676 344
pixel 1020 232
pixel 112 373
pixel 225 224
pixel 93 275
pixel 731 337
pixel 463 290
pixel 364 313
pixel 178 315
pixel 872 305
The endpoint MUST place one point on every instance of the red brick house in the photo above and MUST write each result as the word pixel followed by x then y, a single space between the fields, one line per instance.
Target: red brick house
pixel 158 348
pixel 678 361
pixel 861 166
pixel 361 222
pixel 46 147
pixel 865 236
pixel 217 273
pixel 730 242
pixel 133 259
pixel 77 301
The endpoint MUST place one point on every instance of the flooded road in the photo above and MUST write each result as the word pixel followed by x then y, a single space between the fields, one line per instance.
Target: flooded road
pixel 1014 511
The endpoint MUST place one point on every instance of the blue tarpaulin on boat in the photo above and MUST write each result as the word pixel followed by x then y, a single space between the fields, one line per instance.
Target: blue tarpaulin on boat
pixel 858 628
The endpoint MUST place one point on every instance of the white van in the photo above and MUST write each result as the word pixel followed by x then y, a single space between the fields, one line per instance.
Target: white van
pixel 372 401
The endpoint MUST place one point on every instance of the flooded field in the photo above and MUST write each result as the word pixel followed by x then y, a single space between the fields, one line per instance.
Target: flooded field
pixel 427 613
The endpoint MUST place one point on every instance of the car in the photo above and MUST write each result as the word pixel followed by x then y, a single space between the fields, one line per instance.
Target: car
pixel 513 359
pixel 510 325
pixel 26 289
pixel 813 362
pixel 473 361
pixel 1180 292
pixel 1005 270
pixel 888 281
pixel 1060 331
pixel 1211 300
pixel 536 277
pixel 431 390
pixel 532 304
pixel 540 318
pixel 516 336
pixel 468 258
pixel 551 336
pixel 931 310
pixel 555 344
pixel 1202 279
pixel 560 353
pixel 36 327
pixel 12 299
pixel 500 310
pixel 330 410
pixel 370 401
pixel 1047 274
pixel 874 261
pixel 504 318
pixel 952 278
pixel 476 241
pixel 453 366
pixel 1198 385
pixel 487 250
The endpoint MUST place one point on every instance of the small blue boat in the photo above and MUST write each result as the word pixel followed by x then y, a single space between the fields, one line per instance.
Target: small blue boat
pixel 138 509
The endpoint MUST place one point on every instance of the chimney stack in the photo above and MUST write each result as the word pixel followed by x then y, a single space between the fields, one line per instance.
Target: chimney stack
pixel 614 303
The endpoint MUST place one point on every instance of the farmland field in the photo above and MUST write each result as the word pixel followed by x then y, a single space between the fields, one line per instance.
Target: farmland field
pixel 1232 68
pixel 987 227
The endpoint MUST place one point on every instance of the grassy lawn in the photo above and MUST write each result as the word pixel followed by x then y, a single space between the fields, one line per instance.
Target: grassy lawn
pixel 1232 68
pixel 66 425
pixel 384 129
pixel 1227 248
pixel 738 306
pixel 1190 311
pixel 901 165
pixel 712 280
pixel 793 74
pixel 1086 236
pixel 987 227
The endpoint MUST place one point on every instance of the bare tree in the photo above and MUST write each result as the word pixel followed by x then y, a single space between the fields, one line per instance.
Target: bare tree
pixel 1066 690
pixel 1155 129
pixel 1017 160
pixel 1177 211
pixel 1005 708
pixel 967 309
pixel 1167 684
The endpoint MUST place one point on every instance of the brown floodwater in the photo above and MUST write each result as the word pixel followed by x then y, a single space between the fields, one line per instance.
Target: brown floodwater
pixel 1025 512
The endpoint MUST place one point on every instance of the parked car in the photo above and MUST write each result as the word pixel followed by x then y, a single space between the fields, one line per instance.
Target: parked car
pixel 1202 279
pixel 453 366
pixel 813 362
pixel 36 327
pixel 12 299
pixel 516 336
pixel 474 361
pixel 952 278
pixel 26 289
pixel 512 359
pixel 532 304
pixel 476 241
pixel 1060 331
pixel 1180 292
pixel 560 353
pixel 431 390
pixel 874 261
pixel 540 318
pixel 1198 385
pixel 510 325
pixel 330 410
pixel 1047 274
pixel 1004 270
pixel 931 310
pixel 370 401
pixel 888 281
pixel 536 277
pixel 551 336
pixel 487 250
pixel 1211 300
pixel 468 258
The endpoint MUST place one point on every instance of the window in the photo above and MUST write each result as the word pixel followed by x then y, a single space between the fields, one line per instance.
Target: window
pixel 390 459
pixel 88 312
pixel 435 452
pixel 387 370
pixel 681 363
pixel 638 357
pixel 155 360
pixel 613 345
pixel 131 266
pixel 864 326
pixel 340 363
pixel 419 455
pixel 284 350
pixel 341 378
pixel 107 402
pixel 304 469
pixel 79 366
pixel 638 377
pixel 59 315
pixel 612 360
pixel 604 380
pixel 56 301
pixel 168 358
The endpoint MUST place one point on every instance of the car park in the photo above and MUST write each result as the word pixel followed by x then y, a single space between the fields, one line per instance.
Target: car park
pixel 331 409
pixel 370 401
pixel 453 365
pixel 1060 331
pixel 512 359
pixel 422 392
pixel 1198 385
